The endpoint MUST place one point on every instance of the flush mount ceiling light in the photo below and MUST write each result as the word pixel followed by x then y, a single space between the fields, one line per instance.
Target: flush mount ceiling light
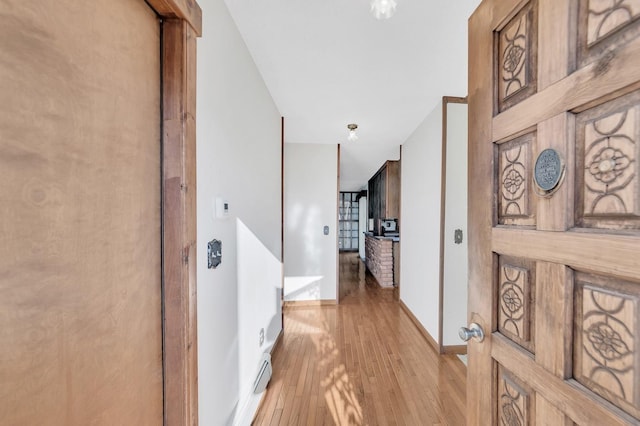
pixel 383 9
pixel 352 132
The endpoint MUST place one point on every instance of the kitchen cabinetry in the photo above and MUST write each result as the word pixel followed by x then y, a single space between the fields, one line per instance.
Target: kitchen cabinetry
pixel 384 194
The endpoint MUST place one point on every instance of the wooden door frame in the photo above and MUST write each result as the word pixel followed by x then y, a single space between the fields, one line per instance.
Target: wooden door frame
pixel 181 25
pixel 281 231
pixel 450 349
pixel 480 215
pixel 337 228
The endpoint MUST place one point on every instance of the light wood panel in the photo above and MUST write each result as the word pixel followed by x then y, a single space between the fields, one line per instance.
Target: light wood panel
pixel 576 92
pixel 517 54
pixel 584 249
pixel 582 362
pixel 607 182
pixel 555 59
pixel 567 394
pixel 606 354
pixel 481 369
pixel 360 362
pixel 516 199
pixel 554 310
pixel 555 213
pixel 187 10
pixel 179 223
pixel 549 414
pixel 80 259
pixel 517 301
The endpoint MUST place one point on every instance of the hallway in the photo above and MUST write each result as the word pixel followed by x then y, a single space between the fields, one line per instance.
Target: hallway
pixel 362 362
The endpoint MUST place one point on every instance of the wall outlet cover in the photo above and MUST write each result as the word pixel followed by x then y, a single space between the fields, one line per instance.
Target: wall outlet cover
pixel 457 236
pixel 214 254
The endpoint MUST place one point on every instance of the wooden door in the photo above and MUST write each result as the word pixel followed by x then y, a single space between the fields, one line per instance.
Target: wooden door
pixel 80 258
pixel 555 270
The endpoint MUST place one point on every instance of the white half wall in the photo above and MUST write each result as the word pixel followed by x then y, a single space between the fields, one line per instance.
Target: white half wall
pixel 420 229
pixel 311 203
pixel 238 160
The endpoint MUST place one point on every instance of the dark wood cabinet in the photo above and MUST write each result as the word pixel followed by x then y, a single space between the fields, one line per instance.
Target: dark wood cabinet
pixel 384 194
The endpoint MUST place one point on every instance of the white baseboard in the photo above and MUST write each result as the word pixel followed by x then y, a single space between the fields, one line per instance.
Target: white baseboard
pixel 244 416
pixel 249 409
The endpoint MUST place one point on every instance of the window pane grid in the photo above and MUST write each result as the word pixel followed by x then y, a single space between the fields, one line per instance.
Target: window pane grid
pixel 348 217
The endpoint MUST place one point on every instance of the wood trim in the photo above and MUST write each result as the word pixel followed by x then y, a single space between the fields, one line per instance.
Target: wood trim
pixel 337 228
pixel 454 350
pixel 187 10
pixel 397 273
pixel 481 370
pixel 584 249
pixel 282 220
pixel 446 100
pixel 306 303
pixel 568 394
pixel 587 87
pixel 180 349
pixel 454 100
pixel 553 317
pixel 557 213
pixel 443 200
pixel 504 11
pixel 555 60
pixel 420 327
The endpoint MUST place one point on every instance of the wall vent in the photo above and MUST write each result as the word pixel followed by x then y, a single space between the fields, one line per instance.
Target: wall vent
pixel 264 374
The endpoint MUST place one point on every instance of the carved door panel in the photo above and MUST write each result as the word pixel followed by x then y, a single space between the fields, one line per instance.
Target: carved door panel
pixel 554 141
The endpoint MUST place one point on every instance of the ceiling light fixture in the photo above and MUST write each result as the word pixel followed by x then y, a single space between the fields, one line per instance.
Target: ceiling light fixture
pixel 383 9
pixel 352 132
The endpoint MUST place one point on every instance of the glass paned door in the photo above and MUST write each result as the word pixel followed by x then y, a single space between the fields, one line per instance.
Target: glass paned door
pixel 348 214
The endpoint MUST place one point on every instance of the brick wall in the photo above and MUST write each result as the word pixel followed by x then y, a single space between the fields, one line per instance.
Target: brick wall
pixel 379 259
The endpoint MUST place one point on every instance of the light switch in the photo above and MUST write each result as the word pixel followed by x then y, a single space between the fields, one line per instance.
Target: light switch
pixel 222 208
pixel 326 230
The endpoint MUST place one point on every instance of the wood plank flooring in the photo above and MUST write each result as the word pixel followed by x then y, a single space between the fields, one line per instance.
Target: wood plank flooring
pixel 362 362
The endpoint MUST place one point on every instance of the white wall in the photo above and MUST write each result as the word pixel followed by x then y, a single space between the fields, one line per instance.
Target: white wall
pixel 238 149
pixel 311 202
pixel 455 255
pixel 420 231
pixel 420 228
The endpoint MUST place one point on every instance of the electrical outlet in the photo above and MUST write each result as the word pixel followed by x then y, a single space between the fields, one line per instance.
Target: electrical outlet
pixel 261 336
pixel 457 236
pixel 214 254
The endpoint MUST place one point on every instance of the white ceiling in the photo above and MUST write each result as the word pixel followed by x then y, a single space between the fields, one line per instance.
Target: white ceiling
pixel 328 63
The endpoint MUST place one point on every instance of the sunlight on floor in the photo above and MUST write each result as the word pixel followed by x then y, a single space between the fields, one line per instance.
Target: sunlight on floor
pixel 339 391
pixel 361 362
pixel 341 398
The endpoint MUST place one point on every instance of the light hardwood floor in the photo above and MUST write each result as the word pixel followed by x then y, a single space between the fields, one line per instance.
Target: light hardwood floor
pixel 362 362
